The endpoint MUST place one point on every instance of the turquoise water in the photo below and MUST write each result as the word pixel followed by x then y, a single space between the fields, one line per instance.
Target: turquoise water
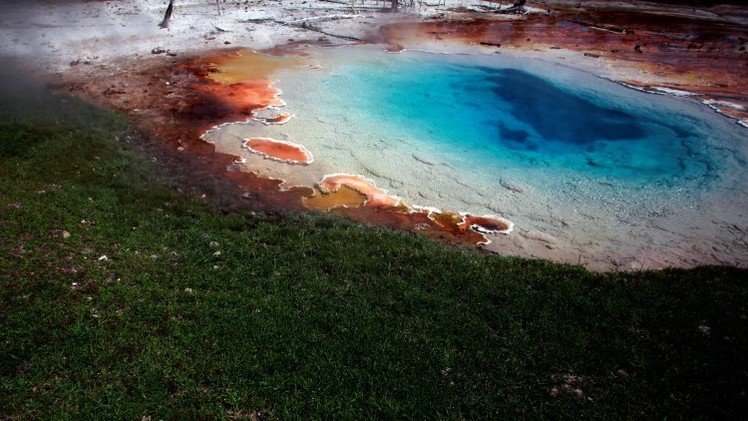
pixel 587 169
pixel 495 115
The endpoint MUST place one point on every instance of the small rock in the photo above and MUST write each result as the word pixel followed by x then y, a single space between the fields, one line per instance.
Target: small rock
pixel 188 290
pixel 218 253
pixel 213 244
pixel 158 50
pixel 103 258
pixel 65 234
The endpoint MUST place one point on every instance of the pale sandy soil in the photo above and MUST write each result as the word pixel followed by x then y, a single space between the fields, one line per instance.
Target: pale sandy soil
pixel 52 35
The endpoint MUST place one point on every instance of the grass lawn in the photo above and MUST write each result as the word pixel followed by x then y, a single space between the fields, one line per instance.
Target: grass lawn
pixel 199 312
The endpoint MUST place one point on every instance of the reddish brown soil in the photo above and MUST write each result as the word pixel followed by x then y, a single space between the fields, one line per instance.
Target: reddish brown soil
pixel 172 102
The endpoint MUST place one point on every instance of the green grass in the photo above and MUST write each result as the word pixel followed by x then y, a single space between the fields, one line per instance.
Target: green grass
pixel 310 315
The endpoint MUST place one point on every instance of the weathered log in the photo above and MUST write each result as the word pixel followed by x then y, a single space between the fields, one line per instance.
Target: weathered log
pixel 167 16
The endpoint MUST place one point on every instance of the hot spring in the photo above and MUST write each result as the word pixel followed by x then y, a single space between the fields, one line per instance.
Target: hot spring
pixel 589 171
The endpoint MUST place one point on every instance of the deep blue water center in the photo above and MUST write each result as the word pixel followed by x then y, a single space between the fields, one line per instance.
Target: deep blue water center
pixel 555 114
pixel 510 116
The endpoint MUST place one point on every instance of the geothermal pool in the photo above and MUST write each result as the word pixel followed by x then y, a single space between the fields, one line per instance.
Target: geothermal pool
pixel 589 171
